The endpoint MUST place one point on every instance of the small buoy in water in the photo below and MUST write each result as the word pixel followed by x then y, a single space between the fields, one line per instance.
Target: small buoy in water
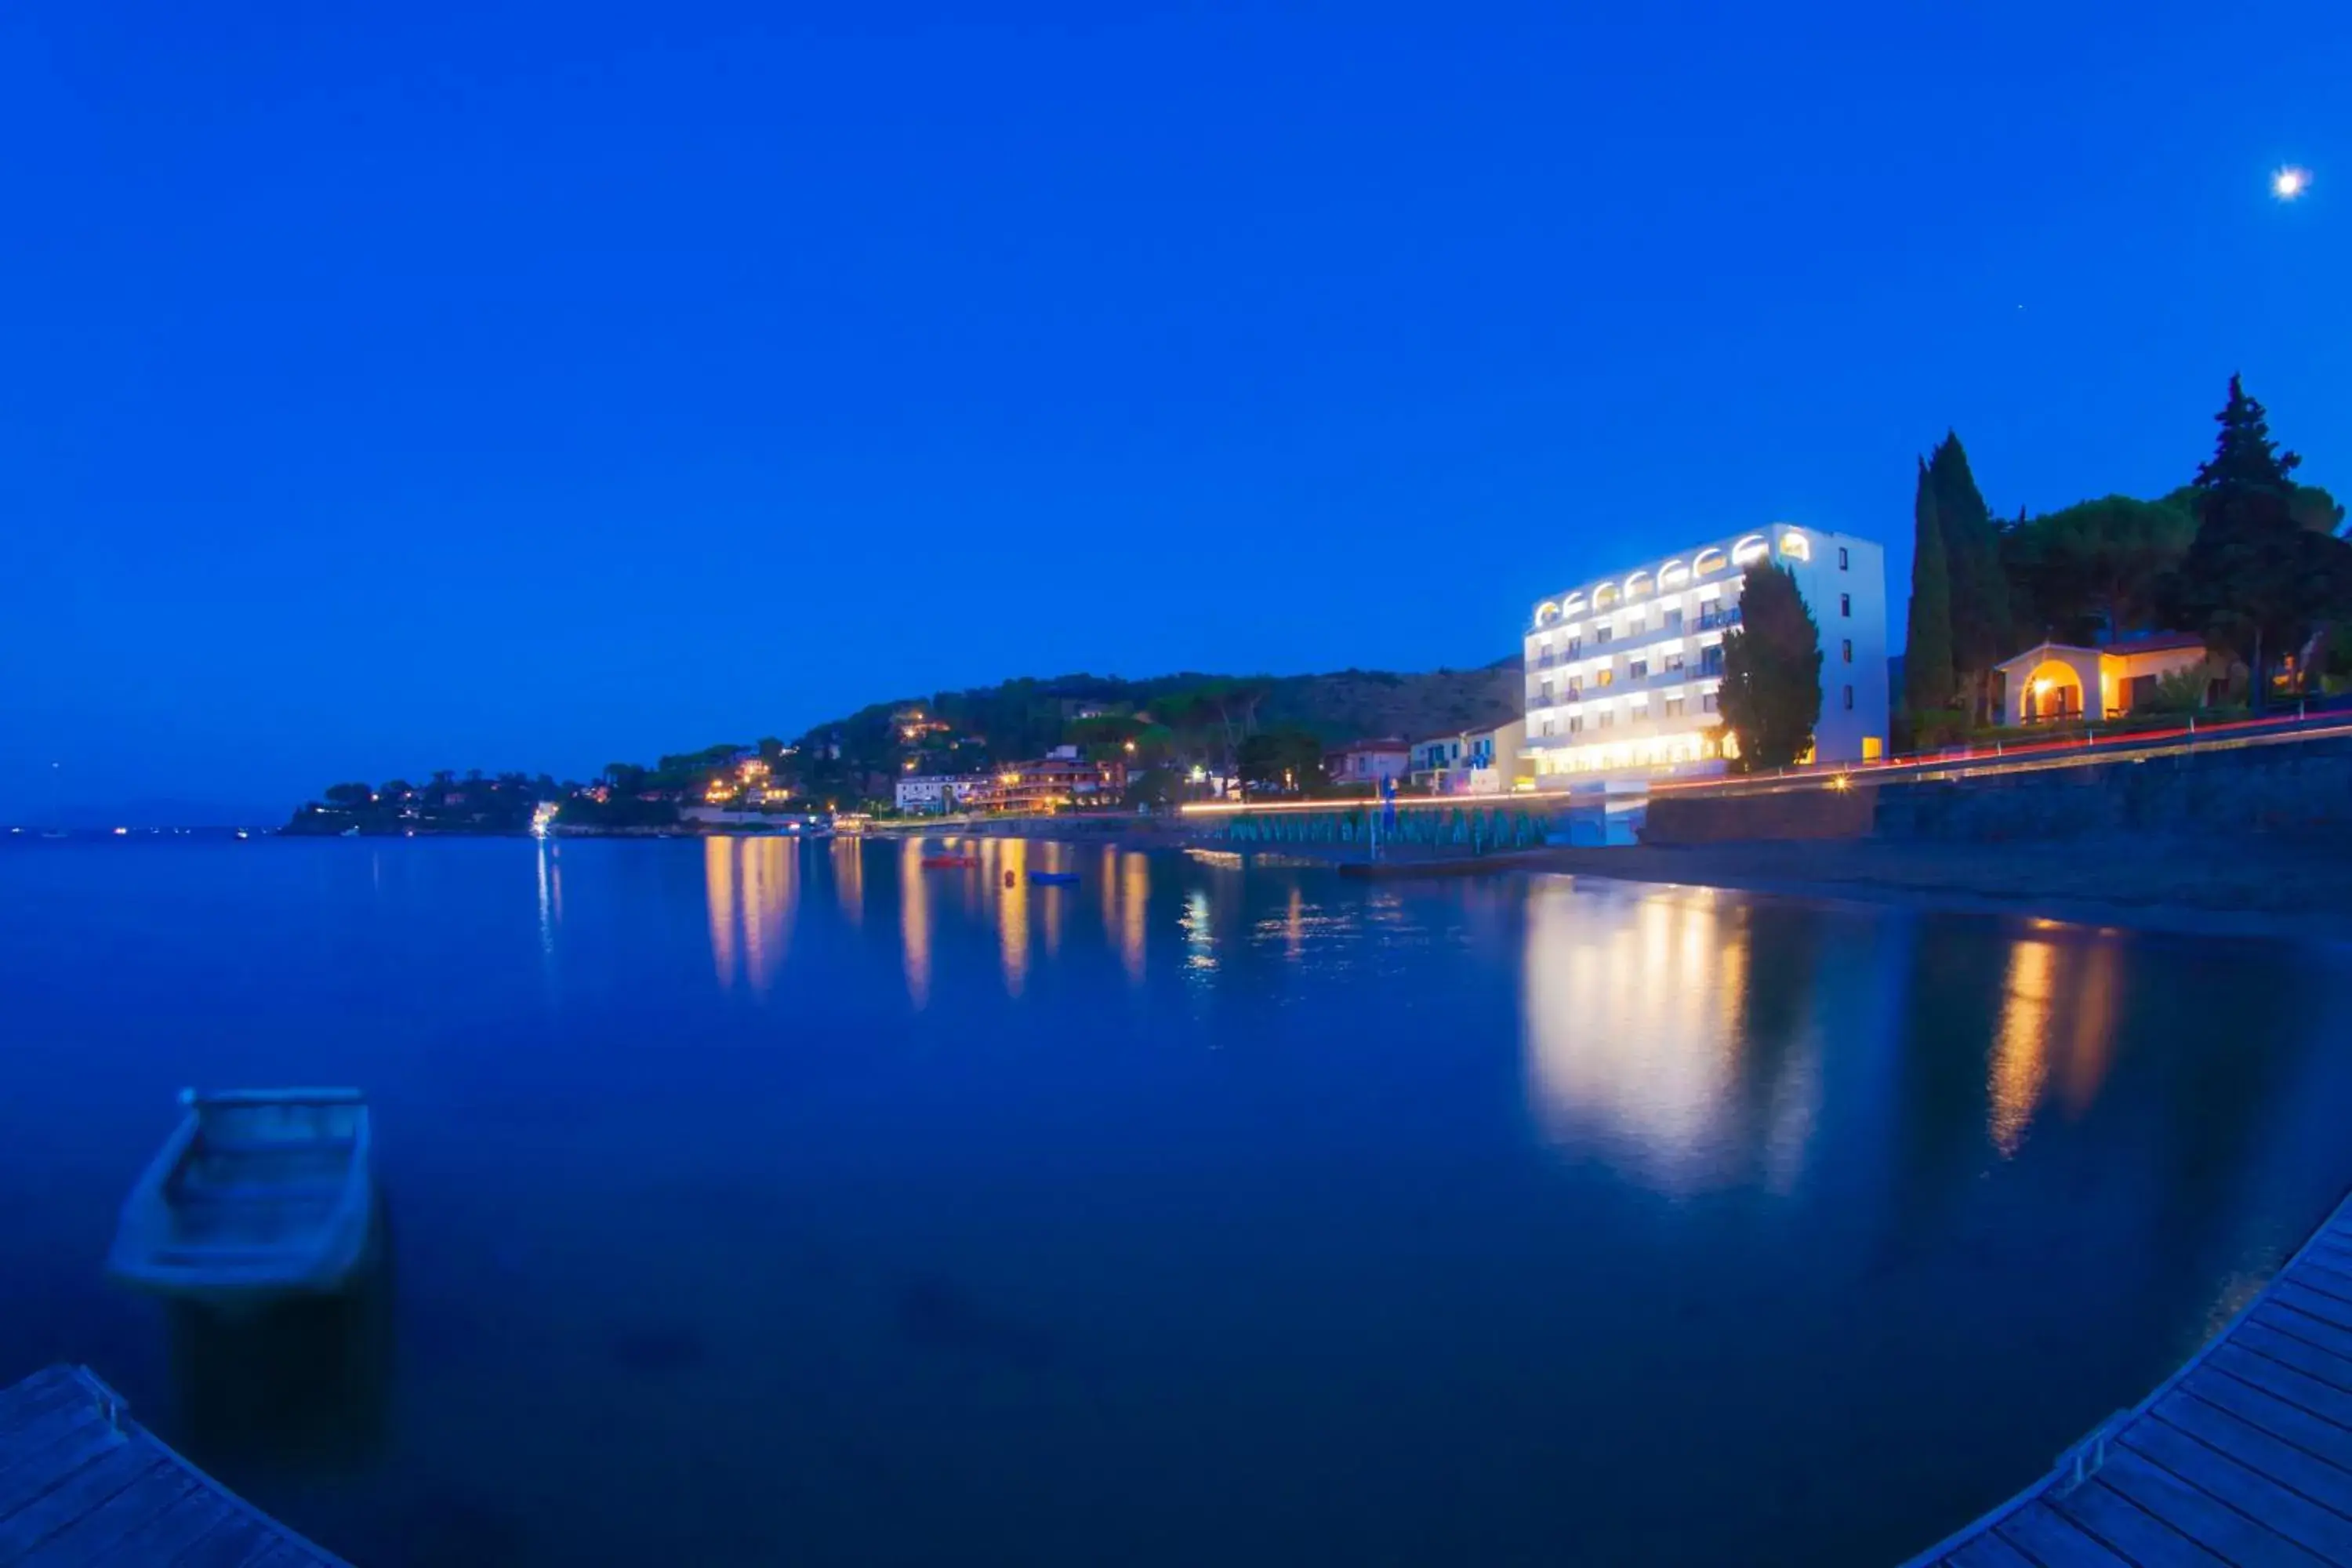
pixel 1008 879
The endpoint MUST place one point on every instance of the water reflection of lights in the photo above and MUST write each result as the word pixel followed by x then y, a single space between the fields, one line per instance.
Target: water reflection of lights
pixel 752 886
pixel 1200 940
pixel 2058 1001
pixel 1134 899
pixel 914 921
pixel 1638 1030
pixel 1013 913
pixel 850 876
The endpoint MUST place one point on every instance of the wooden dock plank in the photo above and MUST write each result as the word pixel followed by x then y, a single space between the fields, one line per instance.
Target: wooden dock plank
pixel 2308 1358
pixel 85 1484
pixel 2316 1274
pixel 2282 1319
pixel 2102 1507
pixel 2288 1423
pixel 37 1395
pixel 1988 1550
pixel 31 1453
pixel 87 1488
pixel 2243 1456
pixel 95 1534
pixel 2257 1450
pixel 2294 1387
pixel 2296 1290
pixel 2320 1531
pixel 2053 1540
pixel 26 1483
pixel 226 1545
pixel 163 1537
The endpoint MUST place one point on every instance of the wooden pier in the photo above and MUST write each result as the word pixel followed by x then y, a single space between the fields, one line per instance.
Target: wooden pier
pixel 81 1482
pixel 2244 1456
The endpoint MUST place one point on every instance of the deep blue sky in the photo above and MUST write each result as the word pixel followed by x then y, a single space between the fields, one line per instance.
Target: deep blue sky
pixel 531 385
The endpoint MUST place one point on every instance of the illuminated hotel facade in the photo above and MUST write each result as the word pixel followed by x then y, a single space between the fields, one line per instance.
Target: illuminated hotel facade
pixel 1623 672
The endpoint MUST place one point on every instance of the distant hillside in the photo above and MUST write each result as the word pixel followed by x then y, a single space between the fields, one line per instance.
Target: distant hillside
pixel 1355 703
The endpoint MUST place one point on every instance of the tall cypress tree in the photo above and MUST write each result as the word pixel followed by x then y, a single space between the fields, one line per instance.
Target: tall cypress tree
pixel 1928 651
pixel 1979 587
pixel 1771 695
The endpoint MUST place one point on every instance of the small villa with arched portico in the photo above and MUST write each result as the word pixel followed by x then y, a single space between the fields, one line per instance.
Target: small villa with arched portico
pixel 2058 682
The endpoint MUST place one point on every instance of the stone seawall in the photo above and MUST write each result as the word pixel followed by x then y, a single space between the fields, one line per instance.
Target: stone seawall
pixel 1808 813
pixel 2278 792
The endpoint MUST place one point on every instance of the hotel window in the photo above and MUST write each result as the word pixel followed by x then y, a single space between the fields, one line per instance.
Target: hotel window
pixel 1674 664
pixel 1840 557
pixel 1575 686
pixel 1707 703
pixel 1606 721
pixel 1600 632
pixel 1604 677
pixel 1547 726
pixel 1845 601
pixel 1575 646
pixel 1547 692
pixel 1637 669
pixel 1675 619
pixel 1849 699
pixel 1710 661
pixel 1845 650
pixel 1675 707
pixel 1575 725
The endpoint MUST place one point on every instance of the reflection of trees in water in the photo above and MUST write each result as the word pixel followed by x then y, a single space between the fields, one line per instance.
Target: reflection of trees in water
pixel 1950 1011
pixel 305 1382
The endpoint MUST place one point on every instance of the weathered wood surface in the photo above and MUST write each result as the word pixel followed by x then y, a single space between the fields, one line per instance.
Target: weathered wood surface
pixel 2244 1456
pixel 81 1482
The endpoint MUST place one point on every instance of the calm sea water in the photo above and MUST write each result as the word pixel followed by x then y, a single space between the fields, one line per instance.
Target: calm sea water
pixel 752 1202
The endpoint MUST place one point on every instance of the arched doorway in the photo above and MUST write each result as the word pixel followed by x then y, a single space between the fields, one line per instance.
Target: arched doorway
pixel 2052 691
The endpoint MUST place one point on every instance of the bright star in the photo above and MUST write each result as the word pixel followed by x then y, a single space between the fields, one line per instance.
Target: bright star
pixel 2290 183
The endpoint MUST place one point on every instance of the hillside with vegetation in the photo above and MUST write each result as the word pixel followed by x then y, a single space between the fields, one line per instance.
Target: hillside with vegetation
pixel 1264 728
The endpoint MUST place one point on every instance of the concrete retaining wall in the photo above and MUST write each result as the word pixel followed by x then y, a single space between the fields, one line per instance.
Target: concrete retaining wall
pixel 1725 819
pixel 2277 790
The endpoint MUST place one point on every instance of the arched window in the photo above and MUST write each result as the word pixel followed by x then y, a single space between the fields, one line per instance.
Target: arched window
pixel 1709 560
pixel 1638 584
pixel 1604 596
pixel 1796 546
pixel 1749 550
pixel 1672 574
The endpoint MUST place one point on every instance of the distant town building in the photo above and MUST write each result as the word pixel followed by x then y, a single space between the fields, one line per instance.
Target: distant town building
pixel 1468 761
pixel 1061 782
pixel 2053 682
pixel 919 793
pixel 1368 762
pixel 1623 673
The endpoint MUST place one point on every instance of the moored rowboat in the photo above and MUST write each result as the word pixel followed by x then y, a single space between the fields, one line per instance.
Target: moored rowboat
pixel 257 1194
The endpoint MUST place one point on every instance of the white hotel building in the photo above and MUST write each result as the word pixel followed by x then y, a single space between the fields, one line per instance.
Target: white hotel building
pixel 1623 673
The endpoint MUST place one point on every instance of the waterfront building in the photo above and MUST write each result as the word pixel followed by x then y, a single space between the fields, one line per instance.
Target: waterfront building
pixel 1058 782
pixel 1623 671
pixel 1468 761
pixel 934 791
pixel 2055 682
pixel 1368 762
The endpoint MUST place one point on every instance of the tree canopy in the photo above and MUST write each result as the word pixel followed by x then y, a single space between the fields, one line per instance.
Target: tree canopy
pixel 1771 694
pixel 2093 568
pixel 1978 586
pixel 2255 582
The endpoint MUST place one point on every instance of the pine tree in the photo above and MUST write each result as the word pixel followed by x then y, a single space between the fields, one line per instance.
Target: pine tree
pixel 1928 656
pixel 2255 582
pixel 1772 692
pixel 1979 587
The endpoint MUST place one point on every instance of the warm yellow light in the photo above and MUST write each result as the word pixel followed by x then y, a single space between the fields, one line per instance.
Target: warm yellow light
pixel 1843 783
pixel 2040 686
pixel 1796 547
pixel 2290 183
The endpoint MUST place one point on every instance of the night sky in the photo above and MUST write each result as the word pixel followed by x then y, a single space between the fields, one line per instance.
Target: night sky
pixel 534 385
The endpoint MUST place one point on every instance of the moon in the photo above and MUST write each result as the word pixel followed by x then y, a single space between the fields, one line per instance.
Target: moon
pixel 2290 183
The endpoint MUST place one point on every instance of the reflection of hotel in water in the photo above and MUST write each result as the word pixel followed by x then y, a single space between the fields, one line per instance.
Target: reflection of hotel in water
pixel 1683 1030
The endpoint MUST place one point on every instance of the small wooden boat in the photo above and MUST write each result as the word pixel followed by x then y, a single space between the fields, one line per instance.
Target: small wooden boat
pixel 258 1194
pixel 1055 878
pixel 950 862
